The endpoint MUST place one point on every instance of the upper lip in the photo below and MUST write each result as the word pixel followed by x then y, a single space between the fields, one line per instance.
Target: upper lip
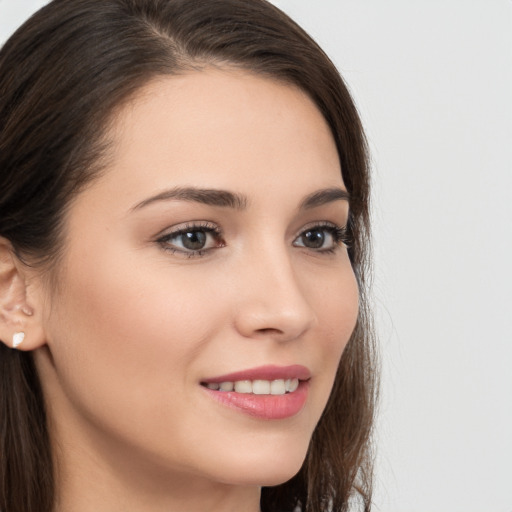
pixel 269 372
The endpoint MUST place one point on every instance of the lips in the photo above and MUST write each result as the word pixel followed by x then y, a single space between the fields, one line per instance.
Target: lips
pixel 267 392
pixel 270 372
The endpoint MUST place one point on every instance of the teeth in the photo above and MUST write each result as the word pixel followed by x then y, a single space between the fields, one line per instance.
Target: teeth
pixel 277 387
pixel 261 387
pixel 243 386
pixel 226 386
pixel 257 387
pixel 292 385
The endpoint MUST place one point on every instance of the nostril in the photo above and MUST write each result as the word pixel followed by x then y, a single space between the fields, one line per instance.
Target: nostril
pixel 269 330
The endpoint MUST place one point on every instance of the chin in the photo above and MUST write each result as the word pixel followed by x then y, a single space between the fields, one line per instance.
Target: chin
pixel 264 470
pixel 278 477
pixel 262 477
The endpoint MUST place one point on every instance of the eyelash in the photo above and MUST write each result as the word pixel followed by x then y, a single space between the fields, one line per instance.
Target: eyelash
pixel 339 235
pixel 204 227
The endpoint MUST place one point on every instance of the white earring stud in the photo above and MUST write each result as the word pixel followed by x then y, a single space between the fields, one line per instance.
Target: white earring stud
pixel 17 339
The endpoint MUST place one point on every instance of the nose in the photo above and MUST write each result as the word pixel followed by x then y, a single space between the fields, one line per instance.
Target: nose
pixel 271 302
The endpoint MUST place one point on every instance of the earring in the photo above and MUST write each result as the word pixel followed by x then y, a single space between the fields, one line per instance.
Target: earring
pixel 17 339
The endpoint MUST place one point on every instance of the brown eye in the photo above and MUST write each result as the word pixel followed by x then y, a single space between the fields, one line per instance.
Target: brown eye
pixel 313 239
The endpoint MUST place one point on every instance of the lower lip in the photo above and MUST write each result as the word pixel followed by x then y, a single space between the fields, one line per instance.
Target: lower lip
pixel 268 407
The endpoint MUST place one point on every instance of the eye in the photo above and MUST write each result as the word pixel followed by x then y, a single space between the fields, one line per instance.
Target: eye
pixel 322 238
pixel 192 240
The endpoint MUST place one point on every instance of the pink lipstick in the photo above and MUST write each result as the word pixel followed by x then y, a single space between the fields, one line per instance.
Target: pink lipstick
pixel 267 392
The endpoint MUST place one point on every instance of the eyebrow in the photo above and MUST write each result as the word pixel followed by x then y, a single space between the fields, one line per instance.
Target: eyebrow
pixel 324 196
pixel 226 199
pixel 211 197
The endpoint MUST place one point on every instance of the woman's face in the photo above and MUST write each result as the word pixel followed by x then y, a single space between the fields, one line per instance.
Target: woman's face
pixel 209 253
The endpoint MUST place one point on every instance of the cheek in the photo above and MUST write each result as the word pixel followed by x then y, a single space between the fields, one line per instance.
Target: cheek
pixel 336 303
pixel 122 332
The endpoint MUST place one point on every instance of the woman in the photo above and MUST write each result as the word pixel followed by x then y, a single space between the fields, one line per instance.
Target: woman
pixel 184 240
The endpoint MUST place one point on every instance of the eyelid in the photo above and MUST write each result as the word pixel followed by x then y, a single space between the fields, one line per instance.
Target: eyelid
pixel 318 224
pixel 339 233
pixel 163 239
pixel 188 226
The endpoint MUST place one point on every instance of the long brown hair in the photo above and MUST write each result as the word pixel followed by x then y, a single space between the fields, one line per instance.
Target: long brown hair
pixel 63 75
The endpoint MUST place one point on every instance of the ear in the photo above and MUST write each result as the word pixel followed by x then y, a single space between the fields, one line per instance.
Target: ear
pixel 20 307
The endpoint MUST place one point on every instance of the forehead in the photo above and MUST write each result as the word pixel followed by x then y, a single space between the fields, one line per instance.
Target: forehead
pixel 224 128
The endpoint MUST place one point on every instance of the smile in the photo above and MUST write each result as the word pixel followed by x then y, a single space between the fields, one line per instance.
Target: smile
pixel 256 387
pixel 268 392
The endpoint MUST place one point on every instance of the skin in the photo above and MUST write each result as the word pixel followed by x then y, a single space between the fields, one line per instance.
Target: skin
pixel 133 327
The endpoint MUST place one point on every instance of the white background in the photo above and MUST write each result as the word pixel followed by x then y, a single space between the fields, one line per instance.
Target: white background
pixel 433 82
